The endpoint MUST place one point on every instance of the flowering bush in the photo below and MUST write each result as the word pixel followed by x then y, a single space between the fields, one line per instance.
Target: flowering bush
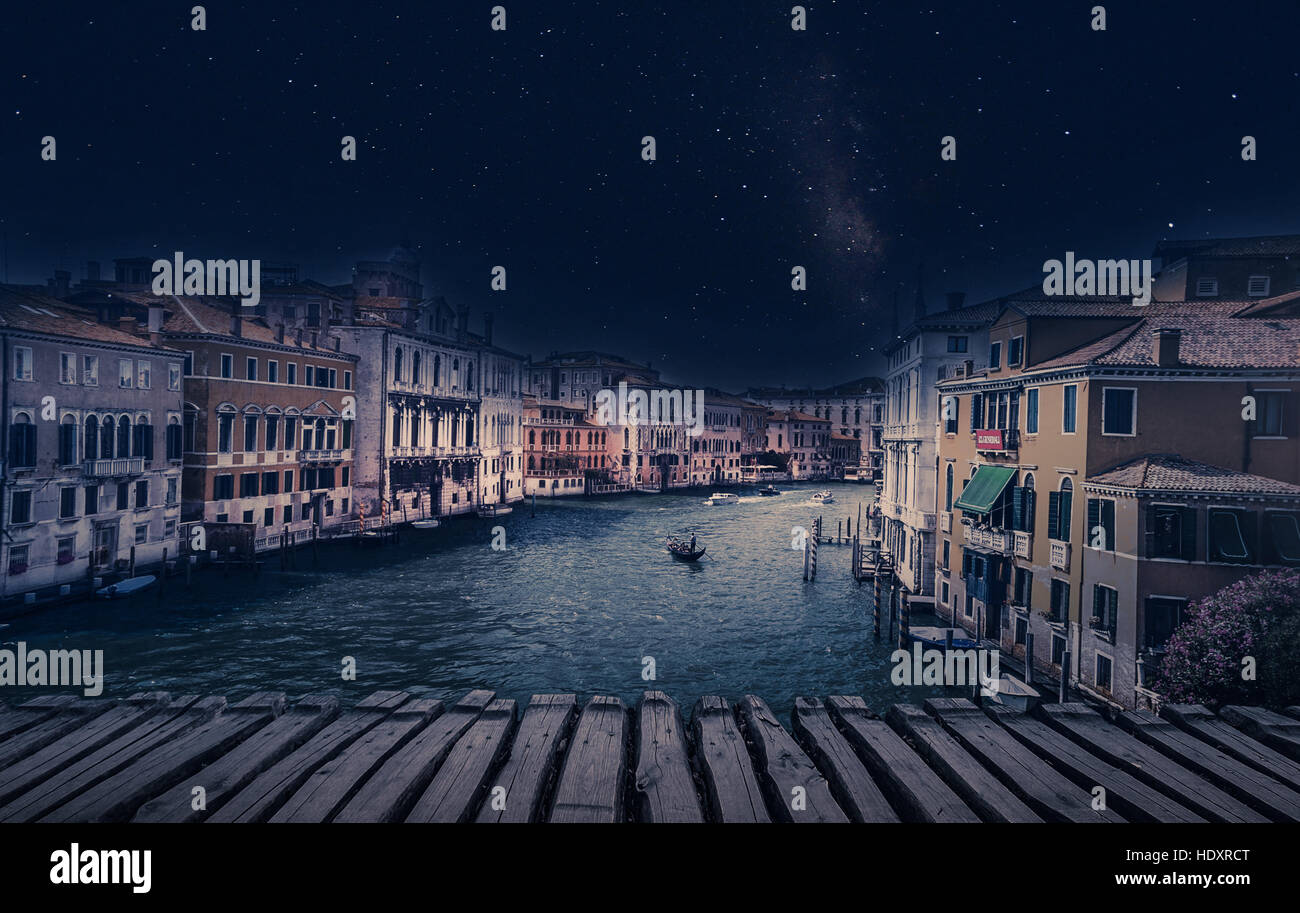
pixel 1259 617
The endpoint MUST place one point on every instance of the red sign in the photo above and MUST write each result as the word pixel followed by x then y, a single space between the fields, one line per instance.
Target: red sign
pixel 990 439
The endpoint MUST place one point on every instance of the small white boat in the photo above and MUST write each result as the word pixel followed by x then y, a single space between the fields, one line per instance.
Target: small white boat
pixel 1014 694
pixel 722 497
pixel 424 524
pixel 488 511
pixel 823 497
pixel 124 588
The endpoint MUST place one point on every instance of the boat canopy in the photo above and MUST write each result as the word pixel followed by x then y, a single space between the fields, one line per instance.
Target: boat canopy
pixel 982 492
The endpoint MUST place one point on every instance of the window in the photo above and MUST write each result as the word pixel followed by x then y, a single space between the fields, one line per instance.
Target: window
pixel 1022 505
pixel 1282 536
pixel 20 507
pixel 223 487
pixel 1031 411
pixel 141 495
pixel 1232 535
pixel 141 533
pixel 227 366
pixel 1069 408
pixel 271 483
pixel 1022 628
pixel 67 503
pixel 272 432
pixel 67 549
pixel 347 380
pixel 291 373
pixel 1101 524
pixel 947 501
pixel 273 371
pixel 1060 600
pixel 225 431
pixel 250 433
pixel 290 433
pixel 951 408
pixel 68 441
pixel 1163 615
pixel 947 550
pixel 1171 532
pixel 1058 512
pixel 90 370
pixel 17 559
pixel 288 481
pixel 175 441
pixel 123 495
pixel 1270 409
pixel 268 516
pixel 1105 608
pixel 1257 286
pixel 1103 671
pixel 1023 588
pixel 1015 351
pixel 311 376
pixel 173 376
pixel 67 368
pixel 250 369
pixel 22 442
pixel 995 356
pixel 125 372
pixel 1207 288
pixel 957 343
pixel 22 364
pixel 288 513
pixel 92 500
pixel 171 491
pixel 248 485
pixel 144 374
pixel 1119 411
pixel 188 364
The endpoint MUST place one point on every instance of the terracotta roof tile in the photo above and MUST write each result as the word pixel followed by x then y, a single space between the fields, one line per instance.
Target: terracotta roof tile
pixel 21 309
pixel 1170 472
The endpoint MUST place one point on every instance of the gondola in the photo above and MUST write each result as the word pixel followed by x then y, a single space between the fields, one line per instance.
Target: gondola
pixel 681 550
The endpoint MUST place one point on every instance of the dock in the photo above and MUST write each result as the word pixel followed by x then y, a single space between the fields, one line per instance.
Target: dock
pixel 400 757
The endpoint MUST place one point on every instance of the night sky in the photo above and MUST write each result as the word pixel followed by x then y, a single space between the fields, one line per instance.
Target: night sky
pixel 775 148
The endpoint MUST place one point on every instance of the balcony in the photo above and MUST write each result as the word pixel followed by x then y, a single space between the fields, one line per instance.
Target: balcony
pixel 129 466
pixel 997 541
pixel 1024 545
pixel 319 456
pixel 1060 557
pixel 997 440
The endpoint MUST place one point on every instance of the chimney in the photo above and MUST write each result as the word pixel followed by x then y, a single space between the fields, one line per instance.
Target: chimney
pixel 279 332
pixel 487 328
pixel 236 320
pixel 956 300
pixel 155 323
pixel 299 339
pixel 59 284
pixel 92 270
pixel 1167 343
pixel 970 368
pixel 127 325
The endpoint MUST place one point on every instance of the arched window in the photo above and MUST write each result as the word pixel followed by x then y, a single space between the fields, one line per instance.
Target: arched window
pixel 68 441
pixel 106 438
pixel 437 369
pixel 92 437
pixel 415 366
pixel 123 437
pixel 948 496
pixel 397 365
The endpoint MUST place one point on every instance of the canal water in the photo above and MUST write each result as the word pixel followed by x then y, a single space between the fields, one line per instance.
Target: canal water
pixel 583 595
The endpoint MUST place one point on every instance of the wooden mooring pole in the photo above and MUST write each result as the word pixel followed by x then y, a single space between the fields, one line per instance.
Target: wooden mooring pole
pixel 1065 677
pixel 1029 658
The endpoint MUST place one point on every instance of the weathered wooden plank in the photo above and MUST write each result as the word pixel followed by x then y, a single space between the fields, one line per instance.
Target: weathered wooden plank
pixel 336 781
pixel 1281 733
pixel 256 801
pixel 730 786
pixel 982 791
pixel 390 793
pixel 911 787
pixel 173 721
pixel 1257 789
pixel 117 797
pixel 1087 727
pixel 24 773
pixel 1293 711
pixel 794 788
pixel 1203 724
pixel 1134 799
pixel 593 779
pixel 665 788
pixel 223 777
pixel 15 719
pixel 1019 769
pixel 526 777
pixel 459 785
pixel 67 718
pixel 850 782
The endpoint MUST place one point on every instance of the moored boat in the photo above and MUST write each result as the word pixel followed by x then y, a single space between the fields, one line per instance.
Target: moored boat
pixel 488 511
pixel 1014 694
pixel 124 588
pixel 938 637
pixel 429 523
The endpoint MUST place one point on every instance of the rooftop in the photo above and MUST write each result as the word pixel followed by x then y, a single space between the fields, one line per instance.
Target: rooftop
pixel 1170 472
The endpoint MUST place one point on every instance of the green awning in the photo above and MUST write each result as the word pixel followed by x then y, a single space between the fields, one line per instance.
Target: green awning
pixel 983 490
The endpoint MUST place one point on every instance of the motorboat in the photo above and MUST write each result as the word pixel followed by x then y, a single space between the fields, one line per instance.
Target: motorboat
pixel 823 497
pixel 938 637
pixel 722 497
pixel 429 523
pixel 488 511
pixel 769 491
pixel 124 588
pixel 1013 694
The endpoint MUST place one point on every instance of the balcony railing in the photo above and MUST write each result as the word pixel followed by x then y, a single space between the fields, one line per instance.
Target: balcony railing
pixel 1060 557
pixel 994 540
pixel 1024 547
pixel 318 456
pixel 129 466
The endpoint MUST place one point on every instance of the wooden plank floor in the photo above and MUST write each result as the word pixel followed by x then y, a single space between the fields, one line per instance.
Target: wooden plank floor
pixel 396 757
